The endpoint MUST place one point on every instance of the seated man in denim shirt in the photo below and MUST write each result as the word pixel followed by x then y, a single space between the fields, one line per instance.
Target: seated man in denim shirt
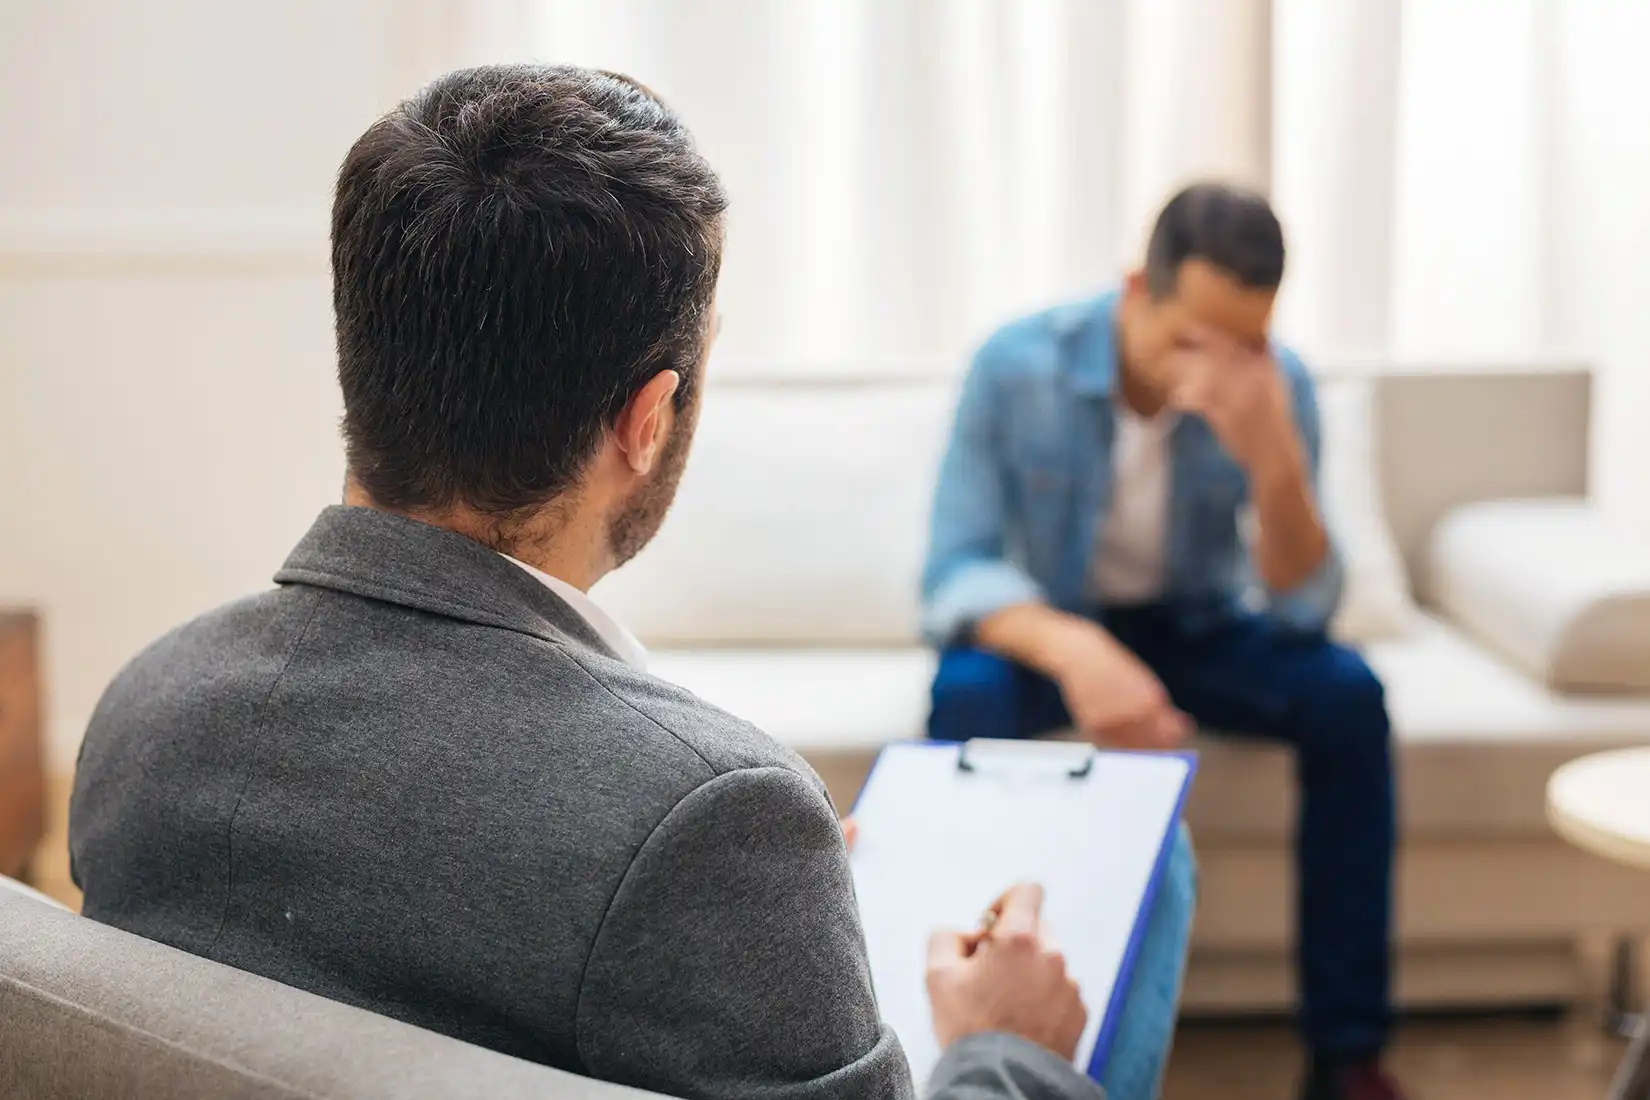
pixel 1088 567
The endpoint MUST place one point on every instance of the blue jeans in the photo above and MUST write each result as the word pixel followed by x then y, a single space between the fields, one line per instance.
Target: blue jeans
pixel 1245 676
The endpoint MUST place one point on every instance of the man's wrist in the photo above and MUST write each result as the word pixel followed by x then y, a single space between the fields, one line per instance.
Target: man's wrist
pixel 1277 469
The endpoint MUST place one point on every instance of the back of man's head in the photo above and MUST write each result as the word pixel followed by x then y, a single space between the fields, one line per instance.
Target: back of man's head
pixel 516 250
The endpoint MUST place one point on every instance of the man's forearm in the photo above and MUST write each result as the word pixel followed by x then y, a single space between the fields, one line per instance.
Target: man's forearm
pixel 1291 542
pixel 1040 637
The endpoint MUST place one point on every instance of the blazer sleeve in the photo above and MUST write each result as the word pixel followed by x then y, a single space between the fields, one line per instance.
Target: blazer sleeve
pixel 731 962
pixel 1006 1067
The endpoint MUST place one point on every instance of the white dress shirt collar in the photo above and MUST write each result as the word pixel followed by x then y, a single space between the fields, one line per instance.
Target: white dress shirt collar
pixel 620 640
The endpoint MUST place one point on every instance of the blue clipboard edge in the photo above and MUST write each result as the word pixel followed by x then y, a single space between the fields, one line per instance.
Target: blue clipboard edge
pixel 1131 953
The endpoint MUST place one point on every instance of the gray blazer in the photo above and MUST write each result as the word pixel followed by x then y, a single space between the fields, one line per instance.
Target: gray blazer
pixel 412 779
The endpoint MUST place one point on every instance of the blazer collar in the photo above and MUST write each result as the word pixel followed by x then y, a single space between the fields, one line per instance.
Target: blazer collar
pixel 397 560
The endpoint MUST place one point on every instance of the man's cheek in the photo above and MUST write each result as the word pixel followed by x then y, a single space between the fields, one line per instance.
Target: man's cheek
pixel 1172 368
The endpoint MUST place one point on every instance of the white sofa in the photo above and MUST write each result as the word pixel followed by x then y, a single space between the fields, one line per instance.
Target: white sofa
pixel 783 588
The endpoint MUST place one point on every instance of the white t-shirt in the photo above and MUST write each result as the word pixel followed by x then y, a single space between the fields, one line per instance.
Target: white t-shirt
pixel 1131 548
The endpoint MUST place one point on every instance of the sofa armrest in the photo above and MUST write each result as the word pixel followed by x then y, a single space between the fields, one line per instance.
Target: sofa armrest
pixel 1550 585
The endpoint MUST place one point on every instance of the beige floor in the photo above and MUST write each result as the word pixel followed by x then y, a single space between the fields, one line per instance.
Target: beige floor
pixel 1494 1059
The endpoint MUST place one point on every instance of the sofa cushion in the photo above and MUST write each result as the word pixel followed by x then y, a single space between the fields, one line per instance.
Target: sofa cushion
pixel 1553 586
pixel 817 701
pixel 1477 739
pixel 801 520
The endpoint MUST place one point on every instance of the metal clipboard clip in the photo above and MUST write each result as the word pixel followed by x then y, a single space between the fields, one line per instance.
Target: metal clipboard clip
pixel 1059 760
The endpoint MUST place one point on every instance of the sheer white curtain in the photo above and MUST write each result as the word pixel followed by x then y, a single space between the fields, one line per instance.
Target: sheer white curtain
pixel 907 173
pixel 1595 133
pixel 1461 180
pixel 1411 167
pixel 1469 181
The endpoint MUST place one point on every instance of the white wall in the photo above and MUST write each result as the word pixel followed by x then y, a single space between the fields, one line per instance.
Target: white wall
pixel 167 407
pixel 168 414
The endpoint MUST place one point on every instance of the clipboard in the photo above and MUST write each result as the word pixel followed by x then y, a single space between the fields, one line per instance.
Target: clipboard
pixel 944 829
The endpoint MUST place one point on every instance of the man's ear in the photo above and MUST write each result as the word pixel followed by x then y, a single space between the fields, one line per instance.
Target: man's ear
pixel 1134 285
pixel 643 425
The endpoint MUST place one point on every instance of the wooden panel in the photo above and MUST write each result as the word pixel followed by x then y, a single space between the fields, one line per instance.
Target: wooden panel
pixel 49 872
pixel 21 781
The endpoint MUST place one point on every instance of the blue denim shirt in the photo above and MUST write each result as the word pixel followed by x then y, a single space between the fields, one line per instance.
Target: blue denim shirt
pixel 1027 477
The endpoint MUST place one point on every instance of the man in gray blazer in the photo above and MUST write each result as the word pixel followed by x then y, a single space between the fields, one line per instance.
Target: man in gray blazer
pixel 425 775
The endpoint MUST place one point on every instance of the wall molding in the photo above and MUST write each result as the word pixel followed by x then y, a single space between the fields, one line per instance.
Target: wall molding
pixel 76 240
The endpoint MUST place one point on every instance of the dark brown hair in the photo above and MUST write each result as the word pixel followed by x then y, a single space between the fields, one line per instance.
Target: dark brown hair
pixel 1229 227
pixel 515 251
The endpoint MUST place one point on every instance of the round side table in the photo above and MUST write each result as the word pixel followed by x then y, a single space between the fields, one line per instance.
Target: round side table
pixel 1601 803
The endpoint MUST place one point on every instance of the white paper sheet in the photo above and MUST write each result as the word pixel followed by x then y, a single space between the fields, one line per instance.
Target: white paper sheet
pixel 938 845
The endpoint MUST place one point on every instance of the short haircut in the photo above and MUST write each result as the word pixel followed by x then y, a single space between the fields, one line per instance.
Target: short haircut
pixel 1229 227
pixel 515 251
